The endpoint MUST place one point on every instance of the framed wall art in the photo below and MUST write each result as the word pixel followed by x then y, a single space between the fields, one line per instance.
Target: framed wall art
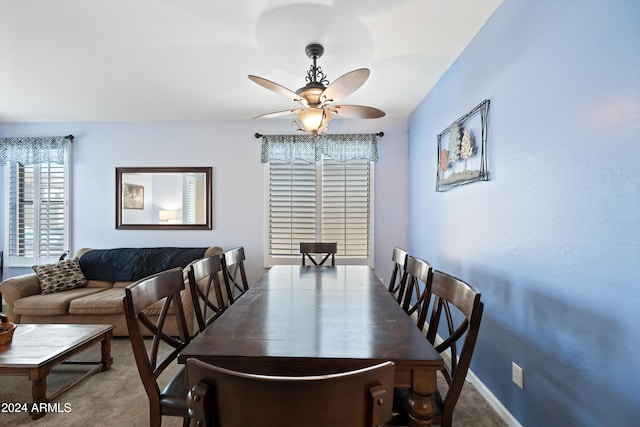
pixel 132 196
pixel 462 150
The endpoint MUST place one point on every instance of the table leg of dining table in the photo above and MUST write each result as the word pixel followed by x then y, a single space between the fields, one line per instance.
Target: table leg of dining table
pixel 421 402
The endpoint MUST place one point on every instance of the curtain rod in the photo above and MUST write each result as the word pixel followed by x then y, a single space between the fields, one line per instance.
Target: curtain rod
pixel 69 137
pixel 259 135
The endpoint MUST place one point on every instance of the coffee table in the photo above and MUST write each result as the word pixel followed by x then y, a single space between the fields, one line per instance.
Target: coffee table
pixel 36 349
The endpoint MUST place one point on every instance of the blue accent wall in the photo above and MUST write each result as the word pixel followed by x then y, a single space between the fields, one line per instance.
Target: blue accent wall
pixel 553 239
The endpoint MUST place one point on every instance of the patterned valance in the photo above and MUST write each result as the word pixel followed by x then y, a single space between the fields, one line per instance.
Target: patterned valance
pixel 31 150
pixel 306 148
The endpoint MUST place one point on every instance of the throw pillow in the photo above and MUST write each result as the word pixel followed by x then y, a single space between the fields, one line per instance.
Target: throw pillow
pixel 61 276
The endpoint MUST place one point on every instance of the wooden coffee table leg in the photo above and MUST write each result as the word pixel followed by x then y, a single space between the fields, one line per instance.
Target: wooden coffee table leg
pixel 38 393
pixel 105 348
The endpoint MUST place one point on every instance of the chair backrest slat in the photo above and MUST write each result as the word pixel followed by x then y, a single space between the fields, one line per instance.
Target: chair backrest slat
pixel 328 249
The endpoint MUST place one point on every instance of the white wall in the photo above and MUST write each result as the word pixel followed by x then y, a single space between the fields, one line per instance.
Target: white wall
pixel 238 188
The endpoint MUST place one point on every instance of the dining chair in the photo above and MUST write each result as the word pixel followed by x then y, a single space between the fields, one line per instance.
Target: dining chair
pixel 223 398
pixel 1 276
pixel 396 285
pixel 307 249
pixel 235 277
pixel 462 309
pixel 418 277
pixel 159 293
pixel 204 277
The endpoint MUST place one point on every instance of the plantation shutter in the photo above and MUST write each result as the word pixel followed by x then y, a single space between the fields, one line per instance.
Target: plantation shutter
pixel 292 207
pixel 319 190
pixel 37 213
pixel 346 207
pixel 52 200
pixel 188 200
pixel 194 198
pixel 329 201
pixel 21 211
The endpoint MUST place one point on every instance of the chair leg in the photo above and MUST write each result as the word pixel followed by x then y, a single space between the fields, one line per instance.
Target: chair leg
pixel 155 419
pixel 186 421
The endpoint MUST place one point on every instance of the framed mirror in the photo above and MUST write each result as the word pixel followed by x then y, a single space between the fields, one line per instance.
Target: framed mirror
pixel 164 198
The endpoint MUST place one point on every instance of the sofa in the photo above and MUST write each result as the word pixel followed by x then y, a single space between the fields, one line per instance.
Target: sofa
pixel 91 290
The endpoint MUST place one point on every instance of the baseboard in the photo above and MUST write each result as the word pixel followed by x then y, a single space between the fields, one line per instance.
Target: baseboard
pixel 484 391
pixel 492 400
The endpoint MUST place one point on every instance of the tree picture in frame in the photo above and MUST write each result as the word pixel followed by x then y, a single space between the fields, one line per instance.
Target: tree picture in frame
pixel 462 150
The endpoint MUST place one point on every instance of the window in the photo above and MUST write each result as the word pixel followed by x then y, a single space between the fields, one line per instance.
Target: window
pixel 194 195
pixel 327 201
pixel 36 213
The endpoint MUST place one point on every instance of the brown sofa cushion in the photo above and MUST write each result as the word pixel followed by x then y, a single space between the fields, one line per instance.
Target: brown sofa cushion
pixel 50 304
pixel 109 301
pixel 61 276
pixel 155 308
pixel 104 284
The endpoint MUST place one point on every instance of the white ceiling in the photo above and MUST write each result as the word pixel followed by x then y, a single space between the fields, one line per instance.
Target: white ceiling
pixel 148 60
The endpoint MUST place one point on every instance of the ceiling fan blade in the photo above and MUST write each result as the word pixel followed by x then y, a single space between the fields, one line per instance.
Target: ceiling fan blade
pixel 356 112
pixel 276 114
pixel 275 87
pixel 345 85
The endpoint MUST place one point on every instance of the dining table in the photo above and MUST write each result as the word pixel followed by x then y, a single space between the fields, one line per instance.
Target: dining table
pixel 297 321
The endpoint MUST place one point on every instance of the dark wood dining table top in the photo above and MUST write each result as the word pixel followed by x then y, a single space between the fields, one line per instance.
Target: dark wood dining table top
pixel 315 320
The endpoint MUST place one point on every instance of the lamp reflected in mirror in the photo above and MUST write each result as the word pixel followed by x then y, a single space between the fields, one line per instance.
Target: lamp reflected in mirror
pixel 168 216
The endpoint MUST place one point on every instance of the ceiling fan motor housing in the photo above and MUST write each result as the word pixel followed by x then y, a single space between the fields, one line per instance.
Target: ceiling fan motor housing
pixel 311 92
pixel 314 50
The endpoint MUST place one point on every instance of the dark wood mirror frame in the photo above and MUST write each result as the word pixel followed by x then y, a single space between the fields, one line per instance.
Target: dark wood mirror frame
pixel 137 201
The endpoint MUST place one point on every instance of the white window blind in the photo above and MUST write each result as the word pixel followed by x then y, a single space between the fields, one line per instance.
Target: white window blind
pixel 194 199
pixel 346 207
pixel 328 201
pixel 292 207
pixel 37 212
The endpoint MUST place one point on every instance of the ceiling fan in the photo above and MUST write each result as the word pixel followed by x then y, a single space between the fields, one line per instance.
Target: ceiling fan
pixel 317 97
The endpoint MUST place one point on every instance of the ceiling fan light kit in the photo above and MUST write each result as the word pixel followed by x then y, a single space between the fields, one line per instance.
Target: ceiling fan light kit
pixel 317 96
pixel 314 120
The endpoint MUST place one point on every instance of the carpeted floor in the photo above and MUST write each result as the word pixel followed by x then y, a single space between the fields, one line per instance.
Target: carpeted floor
pixel 116 398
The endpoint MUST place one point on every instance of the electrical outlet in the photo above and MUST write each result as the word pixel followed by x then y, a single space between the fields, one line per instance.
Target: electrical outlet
pixel 516 375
